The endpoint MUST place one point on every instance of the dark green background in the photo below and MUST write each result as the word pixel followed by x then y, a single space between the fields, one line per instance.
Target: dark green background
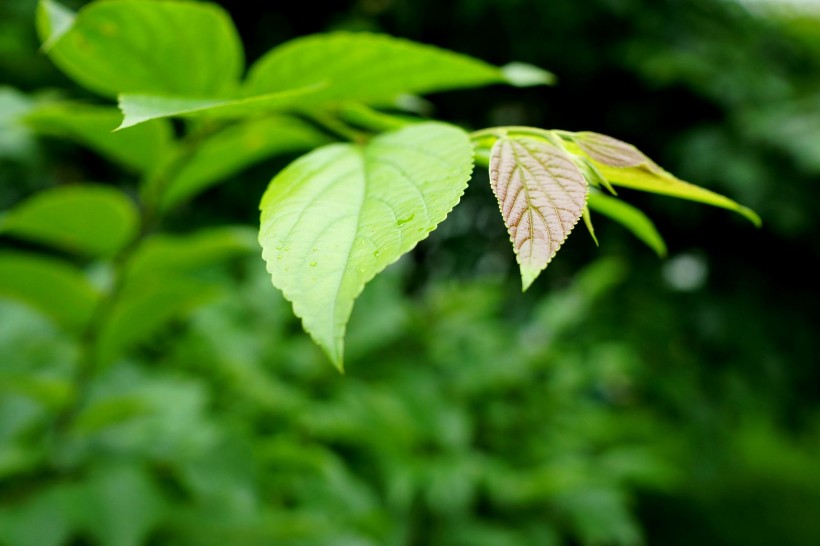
pixel 611 404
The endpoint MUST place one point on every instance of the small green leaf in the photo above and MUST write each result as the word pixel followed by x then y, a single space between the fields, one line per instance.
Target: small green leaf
pixel 624 165
pixel 236 148
pixel 526 75
pixel 587 216
pixel 91 220
pixel 541 194
pixel 369 68
pixel 140 149
pixel 50 286
pixel 137 46
pixel 631 218
pixel 336 217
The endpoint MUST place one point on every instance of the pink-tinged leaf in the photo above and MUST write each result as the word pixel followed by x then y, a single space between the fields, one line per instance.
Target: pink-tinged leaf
pixel 610 151
pixel 542 195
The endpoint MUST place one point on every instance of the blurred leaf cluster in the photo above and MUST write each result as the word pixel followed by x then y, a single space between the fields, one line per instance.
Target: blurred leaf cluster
pixel 622 402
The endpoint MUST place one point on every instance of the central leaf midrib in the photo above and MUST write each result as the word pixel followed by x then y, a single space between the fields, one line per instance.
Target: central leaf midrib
pixel 360 154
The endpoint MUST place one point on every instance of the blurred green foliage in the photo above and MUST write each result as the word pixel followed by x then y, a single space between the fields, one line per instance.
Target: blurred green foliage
pixel 623 400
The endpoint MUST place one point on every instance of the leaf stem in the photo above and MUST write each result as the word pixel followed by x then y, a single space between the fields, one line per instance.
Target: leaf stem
pixel 337 128
pixel 363 116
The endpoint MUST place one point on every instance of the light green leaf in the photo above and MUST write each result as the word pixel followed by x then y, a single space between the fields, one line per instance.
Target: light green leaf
pixel 140 149
pixel 53 21
pixel 631 218
pixel 541 194
pixel 526 75
pixel 162 255
pixel 338 216
pixel 50 286
pixel 138 46
pixel 624 165
pixel 236 148
pixel 370 68
pixel 587 216
pixel 138 109
pixel 91 220
pixel 16 141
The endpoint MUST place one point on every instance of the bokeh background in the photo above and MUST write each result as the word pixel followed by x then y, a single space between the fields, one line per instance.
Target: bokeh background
pixel 622 400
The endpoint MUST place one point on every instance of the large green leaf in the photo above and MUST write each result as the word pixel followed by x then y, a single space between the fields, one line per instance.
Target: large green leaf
pixel 327 69
pixel 336 217
pixel 50 286
pixel 631 218
pixel 236 148
pixel 624 165
pixel 91 220
pixel 371 68
pixel 140 149
pixel 541 194
pixel 144 46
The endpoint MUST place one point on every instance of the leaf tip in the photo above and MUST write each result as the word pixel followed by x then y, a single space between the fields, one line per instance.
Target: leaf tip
pixel 751 215
pixel 527 278
pixel 526 75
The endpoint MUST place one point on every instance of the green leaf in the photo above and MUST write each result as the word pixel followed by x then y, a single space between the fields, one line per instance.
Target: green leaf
pixel 330 69
pixel 238 147
pixel 50 286
pixel 52 392
pixel 624 165
pixel 138 109
pixel 91 220
pixel 162 255
pixel 587 216
pixel 160 284
pixel 140 149
pixel 143 308
pixel 370 68
pixel 541 194
pixel 53 21
pixel 40 519
pixel 338 216
pixel 138 46
pixel 631 218
pixel 526 75
pixel 121 505
pixel 16 141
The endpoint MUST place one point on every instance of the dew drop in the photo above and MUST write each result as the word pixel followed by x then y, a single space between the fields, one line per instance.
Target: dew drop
pixel 312 264
pixel 402 221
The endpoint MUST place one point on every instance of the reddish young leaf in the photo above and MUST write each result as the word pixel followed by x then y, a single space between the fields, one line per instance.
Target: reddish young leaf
pixel 541 194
